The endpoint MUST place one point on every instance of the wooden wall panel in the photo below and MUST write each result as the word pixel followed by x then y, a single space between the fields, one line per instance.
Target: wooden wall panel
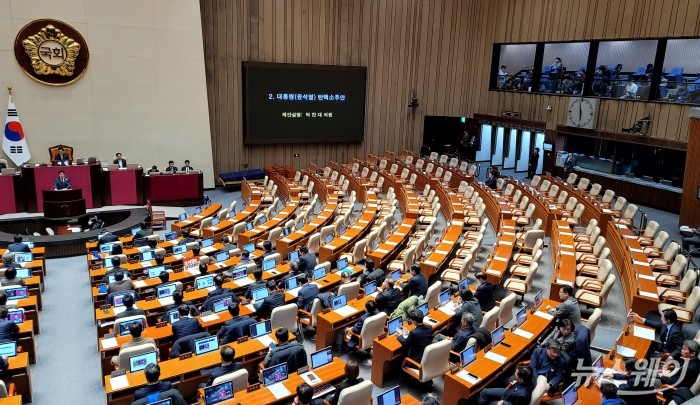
pixel 690 207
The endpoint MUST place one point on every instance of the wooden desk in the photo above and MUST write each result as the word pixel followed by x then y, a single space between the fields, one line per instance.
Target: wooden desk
pixel 250 193
pixel 330 323
pixel 18 374
pixel 261 231
pixel 25 339
pixel 387 352
pixel 300 236
pixel 497 266
pixel 13 400
pixel 459 391
pixel 443 250
pixel 193 221
pixel 179 189
pixel 544 209
pixel 561 244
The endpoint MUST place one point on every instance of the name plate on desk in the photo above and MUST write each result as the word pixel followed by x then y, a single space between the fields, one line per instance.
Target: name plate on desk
pixel 544 315
pixel 253 387
pixel 185 356
pixel 648 294
pixel 638 263
pixel 495 357
pixel 493 272
pixel 646 277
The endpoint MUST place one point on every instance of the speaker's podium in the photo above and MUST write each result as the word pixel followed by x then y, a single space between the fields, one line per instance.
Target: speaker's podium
pixel 63 203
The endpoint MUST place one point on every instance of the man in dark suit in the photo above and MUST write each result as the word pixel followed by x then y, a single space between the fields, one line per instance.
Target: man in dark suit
pixel 154 386
pixel 61 158
pixel 62 182
pixel 116 267
pixel 466 329
pixel 235 328
pixel 370 274
pixel 18 246
pixel 417 284
pixel 106 237
pixel 352 378
pixel 633 369
pixel 468 304
pixel 418 339
pixel 227 365
pixel 258 283
pixel 305 396
pixel 370 310
pixel 218 292
pixel 533 162
pixel 307 293
pixel 286 352
pixel 144 231
pixel 186 325
pixel 568 309
pixel 267 250
pixel 390 297
pixel 187 168
pixel 118 160
pixel 120 284
pixel 7 258
pixel 130 310
pixel 672 337
pixel 273 300
pixel 484 292
pixel 518 392
pixel 549 363
pixel 687 373
pixel 171 167
pixel 307 261
pixel 177 301
pixel 8 329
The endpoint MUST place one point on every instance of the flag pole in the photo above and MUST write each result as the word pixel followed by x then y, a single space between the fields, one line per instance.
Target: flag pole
pixel 9 89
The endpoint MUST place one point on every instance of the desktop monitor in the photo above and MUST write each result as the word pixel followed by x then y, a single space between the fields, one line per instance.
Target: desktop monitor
pixel 22 257
pixel 154 272
pixel 468 355
pixel 147 256
pixel 135 230
pixel 269 264
pixel 166 290
pixel 170 236
pixel 538 299
pixel 218 393
pixel 215 222
pixel 319 273
pixel 259 293
pixel 179 249
pixel 342 263
pixel 370 287
pixel 140 361
pixel 390 397
pixel 248 226
pixel 464 283
pixel 330 237
pixel 223 256
pixel 262 221
pixel 340 301
pixel 124 326
pixel 24 272
pixel 498 335
pixel 424 308
pixel 394 325
pixel 396 275
pixel 206 345
pixel 16 315
pixel 8 349
pixel 521 316
pixel 17 293
pixel 204 281
pixel 249 247
pixel 182 216
pixel 206 243
pixel 445 297
pixel 222 304
pixel 321 358
pixel 274 374
pixel 106 248
pixel 260 329
pixel 569 396
pixel 293 255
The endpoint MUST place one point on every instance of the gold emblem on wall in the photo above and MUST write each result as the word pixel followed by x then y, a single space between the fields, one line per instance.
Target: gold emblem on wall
pixel 51 52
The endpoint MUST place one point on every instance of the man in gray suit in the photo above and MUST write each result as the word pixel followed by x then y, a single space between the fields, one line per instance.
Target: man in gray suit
pixel 135 330
pixel 568 309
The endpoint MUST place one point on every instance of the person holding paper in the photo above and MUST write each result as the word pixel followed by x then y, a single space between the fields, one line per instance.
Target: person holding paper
pixel 672 336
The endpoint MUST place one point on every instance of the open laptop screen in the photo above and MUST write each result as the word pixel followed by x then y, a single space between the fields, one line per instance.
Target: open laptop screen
pixel 275 374
pixel 319 273
pixel 268 264
pixel 390 397
pixel 569 396
pixel 204 281
pixel 293 255
pixel 521 316
pixel 206 345
pixel 140 361
pixel 394 325
pixel 260 329
pixel 340 301
pixel 370 287
pixel 467 355
pixel 218 393
pixel 321 358
pixel 498 335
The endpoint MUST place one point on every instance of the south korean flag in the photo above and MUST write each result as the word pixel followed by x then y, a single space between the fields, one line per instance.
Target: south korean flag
pixel 14 143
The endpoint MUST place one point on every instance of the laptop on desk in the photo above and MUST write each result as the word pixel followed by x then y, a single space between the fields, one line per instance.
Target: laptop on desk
pixel 218 393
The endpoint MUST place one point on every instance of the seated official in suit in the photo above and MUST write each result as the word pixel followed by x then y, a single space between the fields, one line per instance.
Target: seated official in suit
pixel 630 382
pixel 153 386
pixel 307 261
pixel 484 292
pixel 258 283
pixel 305 396
pixel 267 249
pixel 349 339
pixel 465 331
pixel 171 167
pixel 187 168
pixel 263 309
pixel 467 303
pixel 294 271
pixel 308 292
pixel 116 267
pixel 135 330
pixel 370 274
pixel 418 339
pixel 609 394
pixel 119 160
pixel 61 158
pixel 389 298
pixel 352 378
pixel 228 244
pixel 62 182
pixel 177 301
pixel 130 310
pixel 227 365
pixel 7 258
pixel 417 285
pixel 4 304
pixel 290 352
pixel 517 392
pixel 237 327
pixel 106 237
pixel 11 278
pixel 217 293
pixel 687 373
pixel 8 329
pixel 17 246
pixel 172 394
pixel 672 337
pixel 153 169
pixel 120 283
pixel 549 363
pixel 186 325
pixel 568 308
pixel 144 231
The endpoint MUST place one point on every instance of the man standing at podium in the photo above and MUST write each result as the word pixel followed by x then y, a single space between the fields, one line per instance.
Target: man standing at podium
pixel 119 160
pixel 62 182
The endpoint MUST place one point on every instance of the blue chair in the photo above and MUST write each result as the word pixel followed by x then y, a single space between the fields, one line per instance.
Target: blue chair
pixel 640 70
pixel 663 92
pixel 676 71
pixel 546 69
